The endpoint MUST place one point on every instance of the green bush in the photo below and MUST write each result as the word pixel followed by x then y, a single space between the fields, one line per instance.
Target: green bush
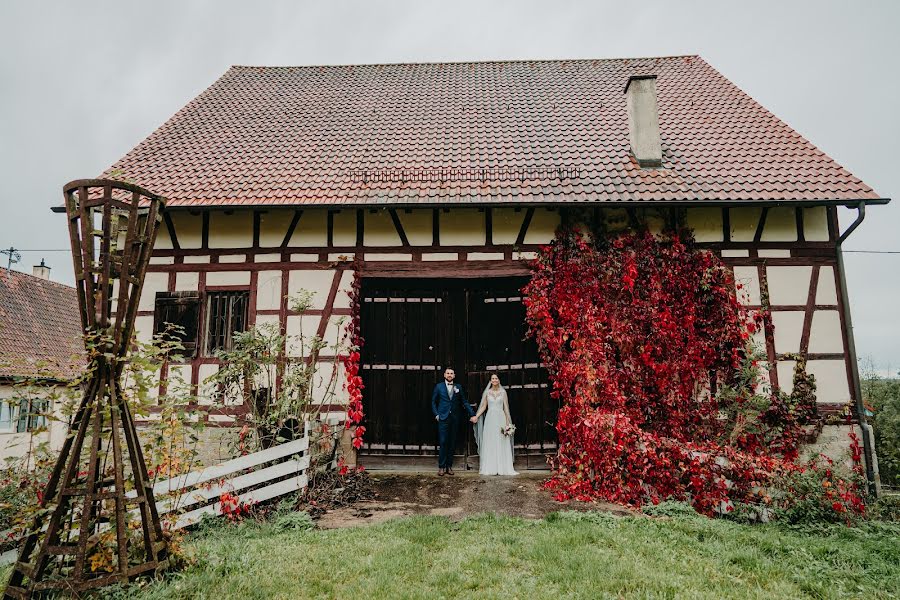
pixel 883 397
pixel 886 508
pixel 672 509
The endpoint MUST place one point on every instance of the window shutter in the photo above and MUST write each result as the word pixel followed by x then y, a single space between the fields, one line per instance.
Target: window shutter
pixel 183 310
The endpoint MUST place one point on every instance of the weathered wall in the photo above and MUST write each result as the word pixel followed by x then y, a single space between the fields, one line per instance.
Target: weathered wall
pixel 784 258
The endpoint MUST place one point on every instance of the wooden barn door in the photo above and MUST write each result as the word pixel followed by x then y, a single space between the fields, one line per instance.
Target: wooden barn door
pixel 414 328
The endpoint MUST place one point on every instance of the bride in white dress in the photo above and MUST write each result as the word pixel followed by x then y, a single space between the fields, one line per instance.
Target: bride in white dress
pixel 495 450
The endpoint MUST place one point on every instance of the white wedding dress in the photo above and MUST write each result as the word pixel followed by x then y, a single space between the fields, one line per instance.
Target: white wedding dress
pixel 495 452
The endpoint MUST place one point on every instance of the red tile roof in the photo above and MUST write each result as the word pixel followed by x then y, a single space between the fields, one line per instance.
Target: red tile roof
pixel 40 327
pixel 476 133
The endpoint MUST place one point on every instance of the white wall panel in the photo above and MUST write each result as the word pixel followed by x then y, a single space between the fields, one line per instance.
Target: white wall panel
pixel 748 277
pixel 187 281
pixel 268 290
pixel 825 290
pixel 788 330
pixel 231 231
pixel 312 229
pixel 781 225
pixel 788 285
pixel 462 227
pixel 815 224
pixel 706 224
pixel 825 336
pixel 542 227
pixel 379 230
pixel 153 282
pixel 344 232
pixel 786 375
pixel 831 380
pixel 228 278
pixel 273 227
pixel 506 223
pixel 418 226
pixel 744 221
pixel 143 328
pixel 188 229
pixel 342 300
pixel 316 281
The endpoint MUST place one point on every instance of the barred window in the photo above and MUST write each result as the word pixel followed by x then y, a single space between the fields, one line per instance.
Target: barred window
pixel 226 312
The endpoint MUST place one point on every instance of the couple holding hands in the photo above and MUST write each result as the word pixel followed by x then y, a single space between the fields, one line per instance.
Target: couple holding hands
pixel 493 426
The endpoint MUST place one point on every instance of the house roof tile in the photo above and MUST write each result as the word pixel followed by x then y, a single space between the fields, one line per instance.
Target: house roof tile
pixel 530 131
pixel 40 328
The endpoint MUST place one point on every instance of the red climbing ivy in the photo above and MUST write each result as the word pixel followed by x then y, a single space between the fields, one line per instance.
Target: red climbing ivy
pixel 354 384
pixel 647 352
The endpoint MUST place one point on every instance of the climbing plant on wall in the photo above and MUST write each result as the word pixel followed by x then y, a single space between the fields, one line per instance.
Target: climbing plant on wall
pixel 649 354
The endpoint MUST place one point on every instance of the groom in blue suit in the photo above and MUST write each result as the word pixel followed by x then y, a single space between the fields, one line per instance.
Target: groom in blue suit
pixel 447 403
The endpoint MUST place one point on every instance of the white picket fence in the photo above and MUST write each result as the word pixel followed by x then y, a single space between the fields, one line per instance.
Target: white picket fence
pixel 190 496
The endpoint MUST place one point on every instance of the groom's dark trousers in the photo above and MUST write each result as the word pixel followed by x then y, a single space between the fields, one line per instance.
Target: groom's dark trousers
pixel 449 412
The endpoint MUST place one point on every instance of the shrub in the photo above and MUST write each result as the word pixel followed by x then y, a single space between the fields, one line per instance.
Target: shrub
pixel 293 521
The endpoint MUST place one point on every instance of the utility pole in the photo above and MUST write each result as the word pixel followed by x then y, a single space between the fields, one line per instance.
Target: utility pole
pixel 13 257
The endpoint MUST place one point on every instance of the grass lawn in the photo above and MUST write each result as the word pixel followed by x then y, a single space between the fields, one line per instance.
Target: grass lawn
pixel 567 555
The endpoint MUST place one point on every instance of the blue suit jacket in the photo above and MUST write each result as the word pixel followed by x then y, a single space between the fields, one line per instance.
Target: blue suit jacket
pixel 442 404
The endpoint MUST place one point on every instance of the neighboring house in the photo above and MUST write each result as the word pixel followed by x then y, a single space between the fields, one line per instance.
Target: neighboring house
pixel 40 341
pixel 438 182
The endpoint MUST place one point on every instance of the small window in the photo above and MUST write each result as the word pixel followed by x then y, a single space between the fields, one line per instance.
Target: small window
pixel 181 309
pixel 226 312
pixel 32 414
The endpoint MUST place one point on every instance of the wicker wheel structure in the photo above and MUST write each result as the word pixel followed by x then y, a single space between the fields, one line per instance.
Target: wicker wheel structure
pixel 97 522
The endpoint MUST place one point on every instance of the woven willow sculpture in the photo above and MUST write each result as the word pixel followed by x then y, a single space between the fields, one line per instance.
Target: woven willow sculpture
pixel 98 522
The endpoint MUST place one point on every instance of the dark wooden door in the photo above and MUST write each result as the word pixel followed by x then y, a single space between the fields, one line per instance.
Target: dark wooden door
pixel 415 328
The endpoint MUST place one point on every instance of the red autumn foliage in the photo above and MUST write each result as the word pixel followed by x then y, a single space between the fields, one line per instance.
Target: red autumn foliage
pixel 638 333
pixel 354 383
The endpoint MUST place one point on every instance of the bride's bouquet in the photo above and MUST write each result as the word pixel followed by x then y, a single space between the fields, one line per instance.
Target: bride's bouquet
pixel 508 430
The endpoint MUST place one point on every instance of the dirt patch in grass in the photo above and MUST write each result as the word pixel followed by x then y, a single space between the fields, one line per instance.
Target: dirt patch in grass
pixel 401 494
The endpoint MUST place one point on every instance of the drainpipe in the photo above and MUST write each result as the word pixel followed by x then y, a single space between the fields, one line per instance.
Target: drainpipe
pixel 868 437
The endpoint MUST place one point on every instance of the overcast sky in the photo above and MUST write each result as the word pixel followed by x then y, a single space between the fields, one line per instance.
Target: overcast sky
pixel 84 82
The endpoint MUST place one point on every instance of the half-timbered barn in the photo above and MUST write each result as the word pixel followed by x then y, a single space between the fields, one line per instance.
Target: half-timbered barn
pixel 436 183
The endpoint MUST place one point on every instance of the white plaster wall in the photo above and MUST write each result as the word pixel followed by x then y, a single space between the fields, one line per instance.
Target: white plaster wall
pixel 831 380
pixel 418 226
pixel 188 229
pixel 297 324
pixel 506 223
pixel 786 376
pixel 231 231
pixel 430 256
pixel 153 282
pixel 273 227
pixel 163 240
pixel 484 256
pixel 233 258
pixel 788 330
pixel 744 221
pixel 788 285
pixel 781 225
pixel 462 227
pixel 162 260
pixel 342 299
pixel 268 290
pixel 385 257
pixel 379 230
pixel 214 278
pixel 748 277
pixel 815 224
pixel 263 258
pixel 706 223
pixel 825 335
pixel 200 259
pixel 311 230
pixel 826 293
pixel 206 391
pixel 344 233
pixel 143 328
pixel 316 281
pixel 187 281
pixel 322 383
pixel 542 227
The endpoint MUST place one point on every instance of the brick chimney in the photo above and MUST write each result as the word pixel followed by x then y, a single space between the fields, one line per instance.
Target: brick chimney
pixel 643 120
pixel 41 270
